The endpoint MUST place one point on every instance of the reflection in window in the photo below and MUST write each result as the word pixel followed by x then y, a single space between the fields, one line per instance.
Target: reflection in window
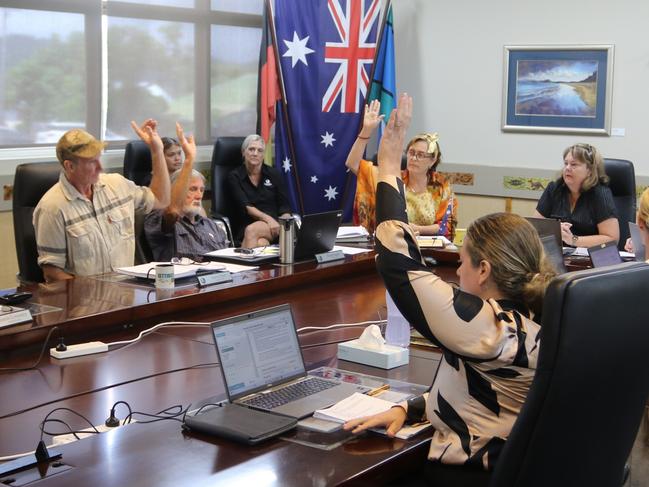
pixel 239 6
pixel 235 56
pixel 42 75
pixel 150 75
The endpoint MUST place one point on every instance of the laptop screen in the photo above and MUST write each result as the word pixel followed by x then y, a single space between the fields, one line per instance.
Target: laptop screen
pixel 554 253
pixel 258 350
pixel 604 254
pixel 317 234
pixel 636 239
pixel 547 226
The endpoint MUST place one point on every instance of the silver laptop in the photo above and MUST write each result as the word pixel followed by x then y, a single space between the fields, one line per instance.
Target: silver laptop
pixel 604 254
pixel 547 226
pixel 263 368
pixel 638 245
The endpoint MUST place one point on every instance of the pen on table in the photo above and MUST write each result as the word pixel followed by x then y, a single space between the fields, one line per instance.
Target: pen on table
pixel 379 390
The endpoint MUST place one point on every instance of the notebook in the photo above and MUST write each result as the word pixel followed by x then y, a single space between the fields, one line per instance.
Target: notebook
pixel 636 239
pixel 604 254
pixel 262 365
pixel 554 253
pixel 317 234
pixel 547 226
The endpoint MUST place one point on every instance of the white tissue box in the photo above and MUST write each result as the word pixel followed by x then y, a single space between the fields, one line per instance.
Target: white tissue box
pixel 388 358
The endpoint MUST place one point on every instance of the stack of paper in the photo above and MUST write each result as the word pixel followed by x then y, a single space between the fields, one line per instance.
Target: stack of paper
pixel 11 315
pixel 147 271
pixel 355 406
pixel 353 234
pixel 433 241
pixel 361 405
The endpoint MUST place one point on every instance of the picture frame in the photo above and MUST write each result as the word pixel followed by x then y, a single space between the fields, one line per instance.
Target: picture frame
pixel 558 89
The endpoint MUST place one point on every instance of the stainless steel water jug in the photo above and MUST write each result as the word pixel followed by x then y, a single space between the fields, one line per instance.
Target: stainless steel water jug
pixel 286 239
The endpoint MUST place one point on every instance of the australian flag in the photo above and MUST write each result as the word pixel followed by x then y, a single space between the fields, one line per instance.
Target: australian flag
pixel 326 50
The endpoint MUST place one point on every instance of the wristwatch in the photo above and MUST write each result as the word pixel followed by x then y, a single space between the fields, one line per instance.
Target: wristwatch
pixel 574 240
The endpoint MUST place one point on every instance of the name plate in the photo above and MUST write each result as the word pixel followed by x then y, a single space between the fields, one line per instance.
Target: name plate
pixel 329 256
pixel 213 278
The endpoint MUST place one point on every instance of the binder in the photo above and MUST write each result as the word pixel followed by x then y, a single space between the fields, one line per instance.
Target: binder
pixel 240 424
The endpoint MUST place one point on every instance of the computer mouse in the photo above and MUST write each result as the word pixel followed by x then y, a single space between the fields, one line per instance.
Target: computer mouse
pixel 430 261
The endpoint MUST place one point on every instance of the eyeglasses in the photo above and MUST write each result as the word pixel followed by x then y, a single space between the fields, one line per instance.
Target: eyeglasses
pixel 188 261
pixel 255 149
pixel 419 155
pixel 573 165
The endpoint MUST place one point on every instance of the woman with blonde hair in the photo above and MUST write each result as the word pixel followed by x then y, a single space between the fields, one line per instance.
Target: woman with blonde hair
pixel 581 199
pixel 430 202
pixel 642 219
pixel 488 329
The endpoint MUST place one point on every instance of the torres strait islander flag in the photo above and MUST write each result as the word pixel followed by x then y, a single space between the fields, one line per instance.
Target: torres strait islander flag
pixel 326 49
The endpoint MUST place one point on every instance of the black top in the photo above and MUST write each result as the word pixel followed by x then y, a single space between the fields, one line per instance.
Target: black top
pixel 270 196
pixel 593 207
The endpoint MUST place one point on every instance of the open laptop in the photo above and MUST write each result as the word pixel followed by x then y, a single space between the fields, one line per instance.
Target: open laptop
pixel 317 234
pixel 604 254
pixel 262 365
pixel 554 253
pixel 547 226
pixel 638 245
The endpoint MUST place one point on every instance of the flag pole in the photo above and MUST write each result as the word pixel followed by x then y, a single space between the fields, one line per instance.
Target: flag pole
pixel 289 131
pixel 379 39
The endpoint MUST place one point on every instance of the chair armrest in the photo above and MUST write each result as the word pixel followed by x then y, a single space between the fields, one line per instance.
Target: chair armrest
pixel 223 222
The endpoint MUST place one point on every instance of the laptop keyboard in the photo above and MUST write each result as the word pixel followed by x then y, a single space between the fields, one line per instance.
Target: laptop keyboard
pixel 287 394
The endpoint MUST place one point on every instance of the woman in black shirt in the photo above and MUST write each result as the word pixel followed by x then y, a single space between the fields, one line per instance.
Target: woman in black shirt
pixel 581 199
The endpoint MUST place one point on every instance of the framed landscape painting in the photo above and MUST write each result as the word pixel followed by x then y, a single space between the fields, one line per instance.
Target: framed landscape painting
pixel 565 89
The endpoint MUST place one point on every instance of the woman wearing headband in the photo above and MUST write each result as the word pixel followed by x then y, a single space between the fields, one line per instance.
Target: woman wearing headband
pixel 581 199
pixel 430 202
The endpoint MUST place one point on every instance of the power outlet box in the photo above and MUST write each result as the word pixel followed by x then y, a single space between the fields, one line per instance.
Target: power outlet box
pixel 79 349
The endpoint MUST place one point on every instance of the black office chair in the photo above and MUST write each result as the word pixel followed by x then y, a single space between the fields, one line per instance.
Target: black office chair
pixel 137 163
pixel 31 182
pixel 582 413
pixel 622 184
pixel 225 157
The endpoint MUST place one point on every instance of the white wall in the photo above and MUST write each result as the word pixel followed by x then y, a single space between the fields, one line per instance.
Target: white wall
pixel 450 58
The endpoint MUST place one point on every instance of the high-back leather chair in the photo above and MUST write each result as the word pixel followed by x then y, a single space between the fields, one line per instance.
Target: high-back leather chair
pixel 583 410
pixel 31 182
pixel 225 157
pixel 137 163
pixel 622 184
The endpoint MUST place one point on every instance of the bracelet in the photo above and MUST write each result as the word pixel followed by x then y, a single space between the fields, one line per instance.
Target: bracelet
pixel 362 138
pixel 574 240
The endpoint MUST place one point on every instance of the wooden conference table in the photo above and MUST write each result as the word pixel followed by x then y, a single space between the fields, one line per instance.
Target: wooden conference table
pixel 177 366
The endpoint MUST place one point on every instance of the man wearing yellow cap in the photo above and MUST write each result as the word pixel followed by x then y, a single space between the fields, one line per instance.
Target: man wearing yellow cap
pixel 84 223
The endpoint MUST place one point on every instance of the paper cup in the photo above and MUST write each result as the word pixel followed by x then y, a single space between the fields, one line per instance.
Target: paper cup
pixel 164 276
pixel 459 236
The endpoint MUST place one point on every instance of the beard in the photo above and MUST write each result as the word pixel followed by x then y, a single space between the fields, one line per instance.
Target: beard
pixel 192 211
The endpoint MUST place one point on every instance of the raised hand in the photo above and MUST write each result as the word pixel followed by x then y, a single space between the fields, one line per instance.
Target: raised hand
pixel 394 136
pixel 371 118
pixel 187 143
pixel 148 132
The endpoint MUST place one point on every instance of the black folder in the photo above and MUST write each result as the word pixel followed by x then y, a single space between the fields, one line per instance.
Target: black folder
pixel 240 424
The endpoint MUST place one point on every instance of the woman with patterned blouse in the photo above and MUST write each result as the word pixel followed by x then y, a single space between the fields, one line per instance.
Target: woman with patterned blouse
pixel 488 329
pixel 430 202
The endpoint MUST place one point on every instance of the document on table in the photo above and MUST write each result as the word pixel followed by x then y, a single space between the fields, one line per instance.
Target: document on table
pixel 148 270
pixel 360 405
pixel 433 241
pixel 350 250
